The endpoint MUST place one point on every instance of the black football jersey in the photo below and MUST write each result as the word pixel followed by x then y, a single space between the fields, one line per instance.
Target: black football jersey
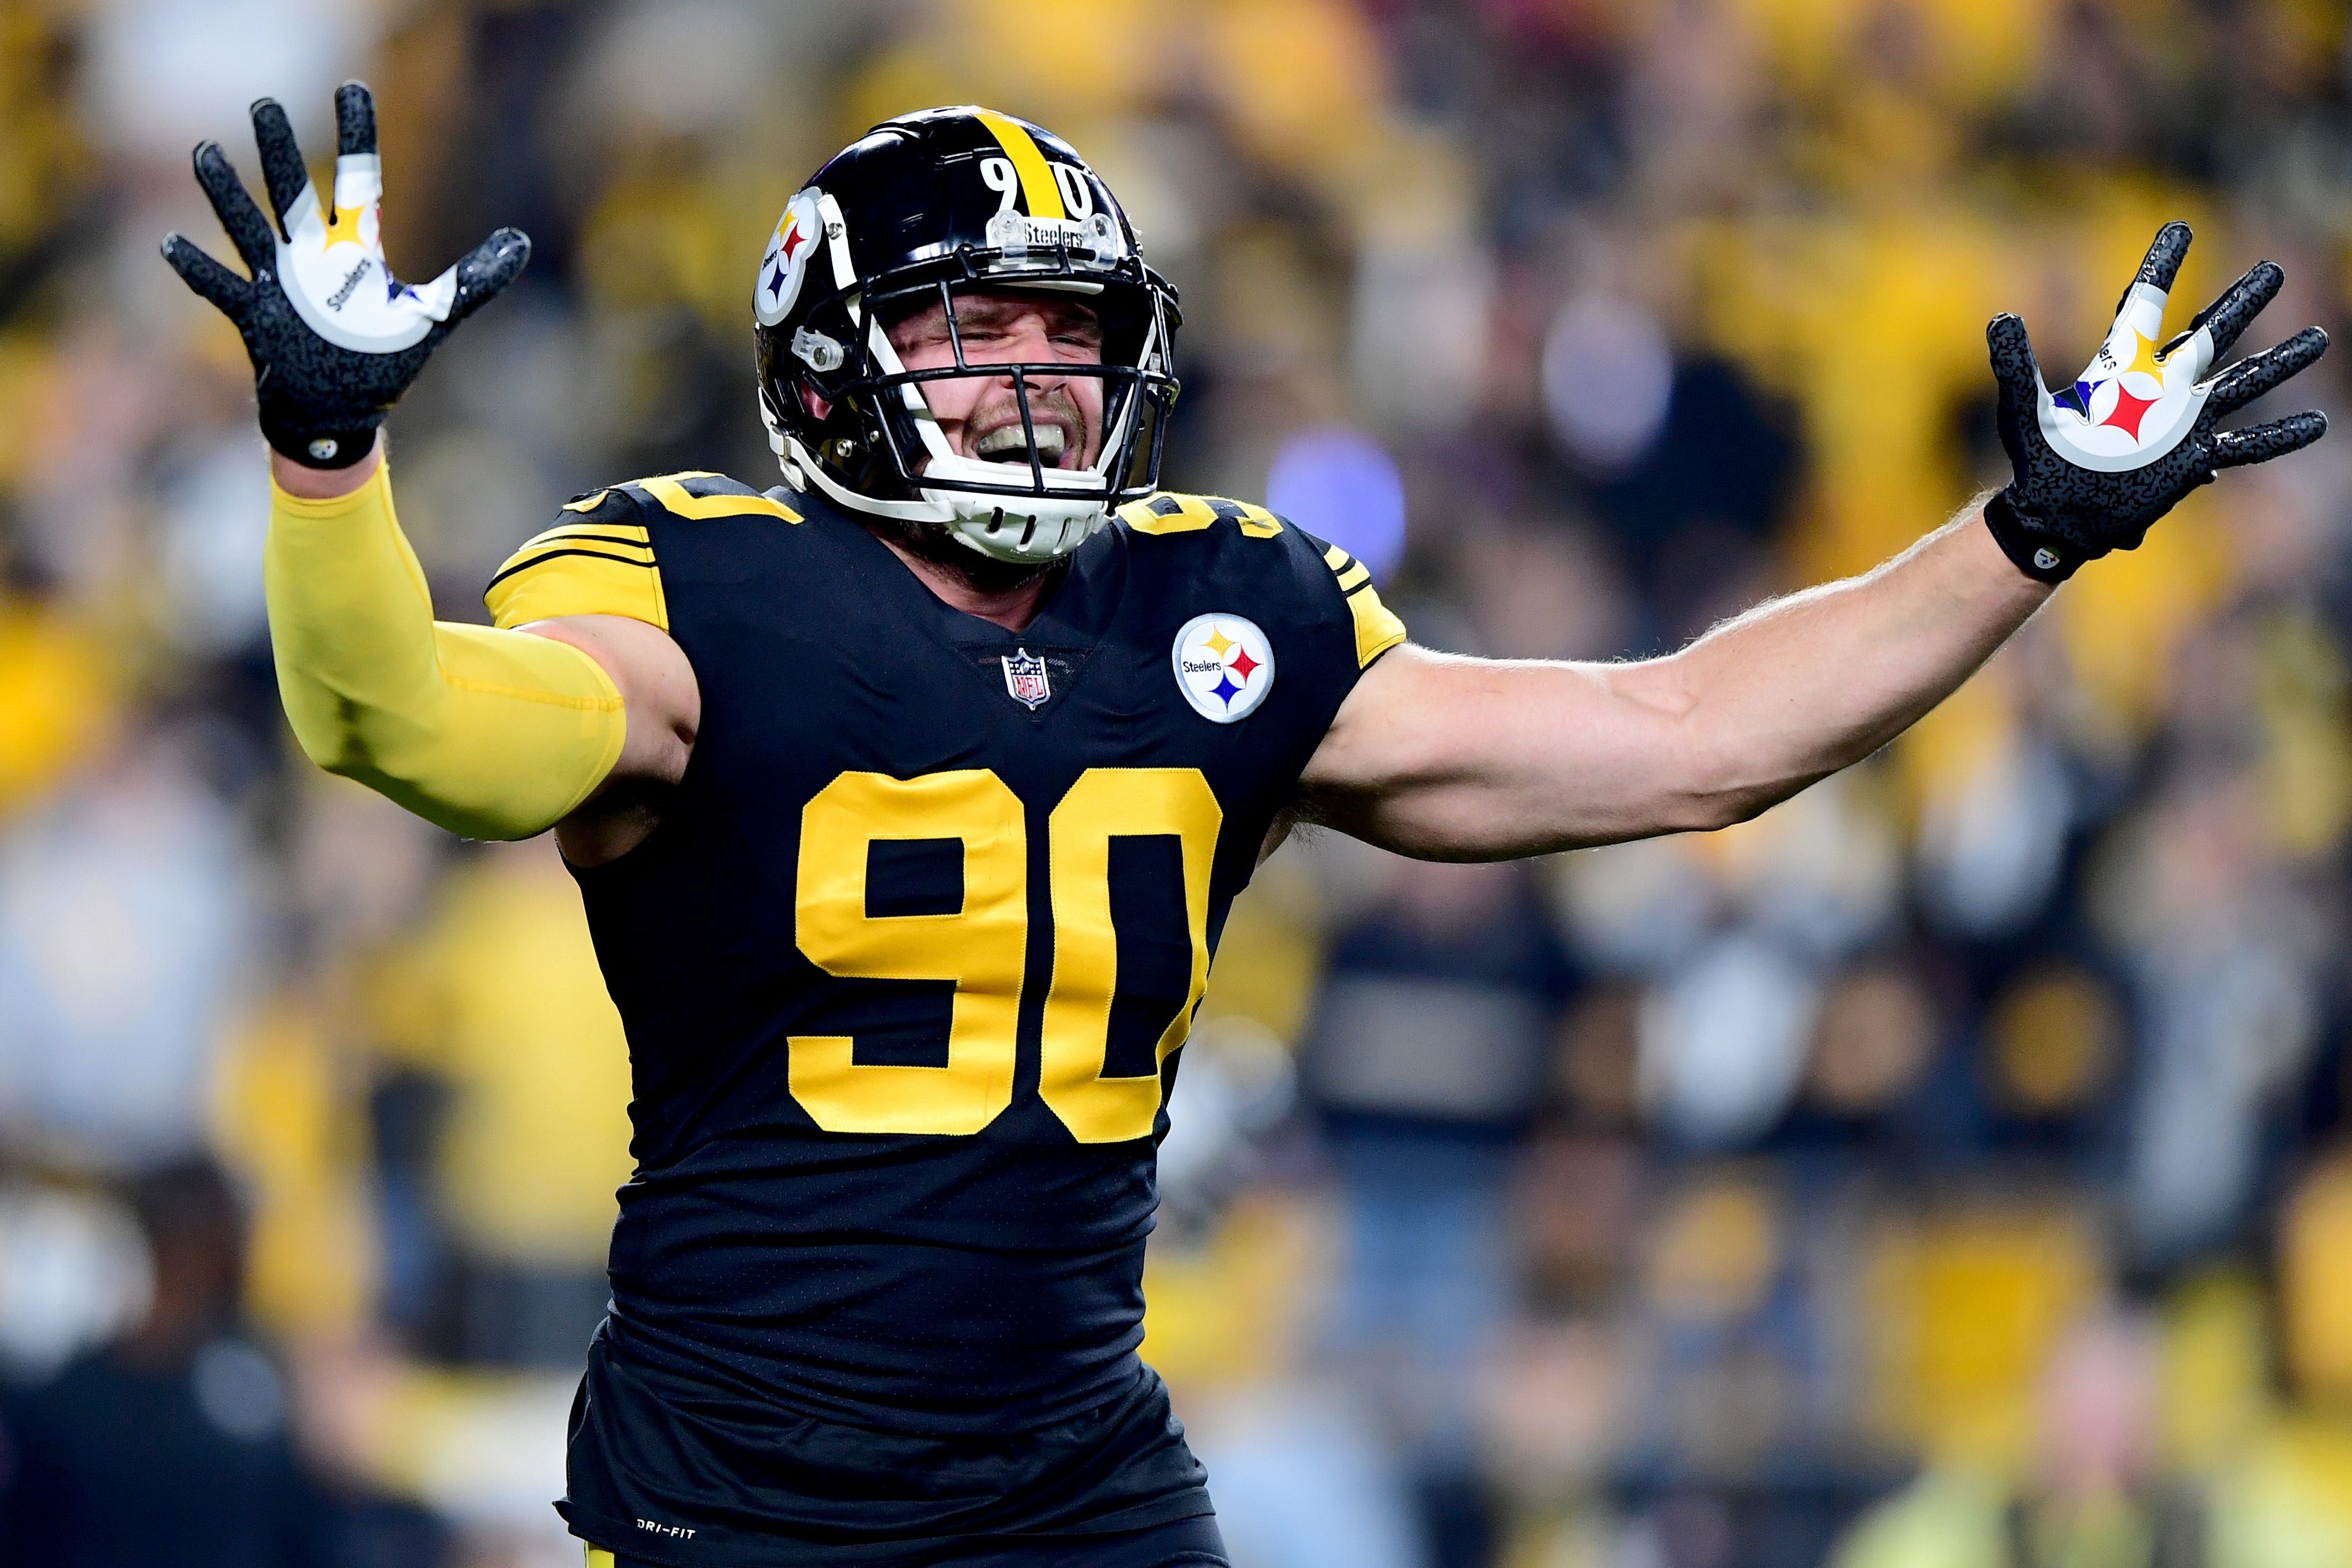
pixel 905 970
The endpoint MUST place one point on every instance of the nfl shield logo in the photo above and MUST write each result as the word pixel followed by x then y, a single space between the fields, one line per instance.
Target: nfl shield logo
pixel 1025 678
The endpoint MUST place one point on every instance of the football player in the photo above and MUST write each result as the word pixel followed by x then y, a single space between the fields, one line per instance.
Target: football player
pixel 907 797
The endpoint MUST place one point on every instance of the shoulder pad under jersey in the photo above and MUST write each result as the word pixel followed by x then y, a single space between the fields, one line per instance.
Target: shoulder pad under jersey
pixel 1376 625
pixel 699 494
pixel 600 560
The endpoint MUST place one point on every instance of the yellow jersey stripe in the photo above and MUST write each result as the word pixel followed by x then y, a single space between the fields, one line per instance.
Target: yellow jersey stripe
pixel 1354 578
pixel 1169 513
pixel 1377 627
pixel 1037 187
pixel 1166 514
pixel 524 563
pixel 674 498
pixel 599 1558
pixel 582 581
pixel 623 536
pixel 604 544
pixel 587 503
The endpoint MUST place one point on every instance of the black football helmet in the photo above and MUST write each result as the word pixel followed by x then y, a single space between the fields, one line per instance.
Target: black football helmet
pixel 924 206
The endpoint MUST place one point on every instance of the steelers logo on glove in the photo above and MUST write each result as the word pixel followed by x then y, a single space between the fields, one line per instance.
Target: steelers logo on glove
pixel 2095 464
pixel 334 337
pixel 332 269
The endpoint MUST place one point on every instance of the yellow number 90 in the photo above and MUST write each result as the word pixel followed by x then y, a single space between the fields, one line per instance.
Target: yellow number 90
pixel 982 946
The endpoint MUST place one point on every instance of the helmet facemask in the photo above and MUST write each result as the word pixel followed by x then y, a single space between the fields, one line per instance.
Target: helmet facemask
pixel 1025 506
pixel 885 443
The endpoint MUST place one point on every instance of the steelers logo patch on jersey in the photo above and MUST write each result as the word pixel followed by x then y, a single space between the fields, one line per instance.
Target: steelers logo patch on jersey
pixel 800 233
pixel 1224 666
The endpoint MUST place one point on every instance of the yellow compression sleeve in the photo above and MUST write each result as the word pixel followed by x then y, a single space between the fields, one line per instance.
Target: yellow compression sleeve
pixel 489 734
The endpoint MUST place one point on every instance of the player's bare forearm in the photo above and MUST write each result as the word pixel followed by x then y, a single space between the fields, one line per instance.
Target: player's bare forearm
pixel 1799 687
pixel 1467 759
pixel 1449 757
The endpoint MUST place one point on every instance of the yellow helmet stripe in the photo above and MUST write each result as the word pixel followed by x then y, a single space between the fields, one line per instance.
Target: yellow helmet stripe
pixel 1037 186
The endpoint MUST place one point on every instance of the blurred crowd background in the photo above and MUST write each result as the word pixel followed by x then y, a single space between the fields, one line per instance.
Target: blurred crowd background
pixel 1950 1169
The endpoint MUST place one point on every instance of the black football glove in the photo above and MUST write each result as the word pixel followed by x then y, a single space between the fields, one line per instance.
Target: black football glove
pixel 2098 463
pixel 335 339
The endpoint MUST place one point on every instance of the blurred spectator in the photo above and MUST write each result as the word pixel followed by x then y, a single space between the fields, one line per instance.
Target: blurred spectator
pixel 2099 1493
pixel 504 1114
pixel 1426 1062
pixel 127 936
pixel 174 1445
pixel 2223 945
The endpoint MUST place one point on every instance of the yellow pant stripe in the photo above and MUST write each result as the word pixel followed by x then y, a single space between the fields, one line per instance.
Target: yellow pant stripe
pixel 1037 187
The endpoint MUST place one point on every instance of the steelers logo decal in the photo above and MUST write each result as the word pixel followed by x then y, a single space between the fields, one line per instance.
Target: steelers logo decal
pixel 2129 407
pixel 1224 666
pixel 800 235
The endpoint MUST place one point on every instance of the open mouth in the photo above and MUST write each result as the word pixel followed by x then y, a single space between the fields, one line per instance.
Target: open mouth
pixel 1007 444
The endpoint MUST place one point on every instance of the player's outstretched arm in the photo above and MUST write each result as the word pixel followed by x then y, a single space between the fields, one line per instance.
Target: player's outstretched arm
pixel 490 734
pixel 1452 758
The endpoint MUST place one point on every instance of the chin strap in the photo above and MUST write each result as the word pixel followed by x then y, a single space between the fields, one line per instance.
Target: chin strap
pixel 989 532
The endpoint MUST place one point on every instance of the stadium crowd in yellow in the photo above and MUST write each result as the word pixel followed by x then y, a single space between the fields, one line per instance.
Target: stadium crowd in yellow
pixel 2051 1129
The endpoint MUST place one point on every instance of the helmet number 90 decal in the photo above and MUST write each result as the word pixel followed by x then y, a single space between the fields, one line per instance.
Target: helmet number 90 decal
pixel 1077 197
pixel 997 175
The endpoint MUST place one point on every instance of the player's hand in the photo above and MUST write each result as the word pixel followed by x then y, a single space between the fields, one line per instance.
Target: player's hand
pixel 2095 464
pixel 335 339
